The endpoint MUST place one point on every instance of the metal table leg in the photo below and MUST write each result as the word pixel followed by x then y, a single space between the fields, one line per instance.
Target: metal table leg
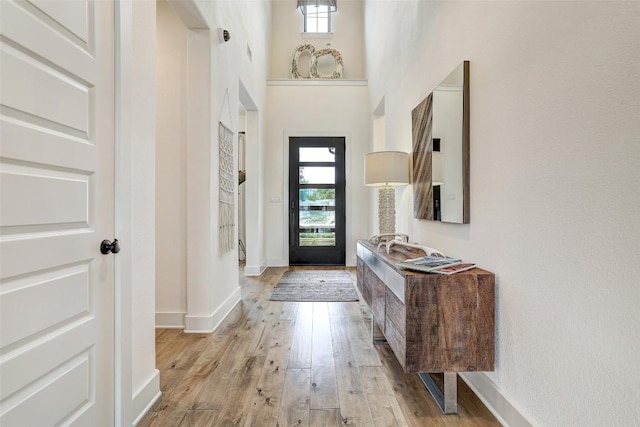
pixel 376 335
pixel 447 401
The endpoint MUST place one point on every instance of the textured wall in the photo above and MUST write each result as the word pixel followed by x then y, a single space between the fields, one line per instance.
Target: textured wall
pixel 555 101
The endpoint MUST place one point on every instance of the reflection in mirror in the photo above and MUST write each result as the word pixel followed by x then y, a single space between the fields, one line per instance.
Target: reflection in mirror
pixel 441 151
pixel 326 64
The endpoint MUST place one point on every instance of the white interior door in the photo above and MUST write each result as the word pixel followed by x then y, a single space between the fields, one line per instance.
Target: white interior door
pixel 56 206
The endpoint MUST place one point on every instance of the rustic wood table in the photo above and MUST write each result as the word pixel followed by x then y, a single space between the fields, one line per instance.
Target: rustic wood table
pixel 434 323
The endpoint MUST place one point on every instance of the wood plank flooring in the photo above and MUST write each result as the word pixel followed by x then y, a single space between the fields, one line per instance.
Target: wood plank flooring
pixel 274 363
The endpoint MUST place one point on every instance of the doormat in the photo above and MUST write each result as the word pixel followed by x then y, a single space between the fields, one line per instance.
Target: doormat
pixel 315 285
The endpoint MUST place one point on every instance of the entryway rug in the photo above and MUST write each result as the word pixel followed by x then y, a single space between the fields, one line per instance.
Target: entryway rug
pixel 314 285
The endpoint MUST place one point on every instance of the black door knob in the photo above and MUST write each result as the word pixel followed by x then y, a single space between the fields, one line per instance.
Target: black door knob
pixel 108 246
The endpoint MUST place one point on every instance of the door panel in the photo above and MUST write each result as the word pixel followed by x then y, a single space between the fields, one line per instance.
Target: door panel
pixel 317 201
pixel 45 187
pixel 56 206
pixel 64 290
pixel 61 394
pixel 67 97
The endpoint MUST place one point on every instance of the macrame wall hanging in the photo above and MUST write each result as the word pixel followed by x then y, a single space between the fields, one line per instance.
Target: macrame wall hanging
pixel 226 208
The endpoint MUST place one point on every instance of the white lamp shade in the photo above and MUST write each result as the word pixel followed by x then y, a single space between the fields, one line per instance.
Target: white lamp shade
pixel 386 168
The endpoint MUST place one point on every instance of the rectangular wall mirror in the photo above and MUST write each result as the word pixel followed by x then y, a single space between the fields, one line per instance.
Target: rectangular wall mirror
pixel 440 130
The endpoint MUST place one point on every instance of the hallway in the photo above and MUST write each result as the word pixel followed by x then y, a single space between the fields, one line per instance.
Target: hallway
pixel 279 363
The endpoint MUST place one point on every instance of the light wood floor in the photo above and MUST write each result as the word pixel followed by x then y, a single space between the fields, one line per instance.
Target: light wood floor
pixel 293 363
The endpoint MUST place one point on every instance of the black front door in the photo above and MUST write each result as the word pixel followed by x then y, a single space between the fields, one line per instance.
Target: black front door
pixel 316 201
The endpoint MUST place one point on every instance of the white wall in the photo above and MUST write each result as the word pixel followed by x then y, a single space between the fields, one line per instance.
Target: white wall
pixel 212 277
pixel 137 380
pixel 171 197
pixel 555 101
pixel 347 37
pixel 324 109
pixel 302 107
pixel 198 86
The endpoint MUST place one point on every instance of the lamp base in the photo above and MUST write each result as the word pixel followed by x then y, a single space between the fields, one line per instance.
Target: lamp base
pixel 387 210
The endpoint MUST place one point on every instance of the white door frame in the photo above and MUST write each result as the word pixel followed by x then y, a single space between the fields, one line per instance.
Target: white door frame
pixel 137 382
pixel 350 244
pixel 254 217
pixel 123 312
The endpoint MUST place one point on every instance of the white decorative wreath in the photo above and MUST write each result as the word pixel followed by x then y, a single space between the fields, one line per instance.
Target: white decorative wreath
pixel 306 47
pixel 337 71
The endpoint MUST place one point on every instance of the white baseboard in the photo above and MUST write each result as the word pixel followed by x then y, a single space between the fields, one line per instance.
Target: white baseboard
pixel 144 399
pixel 208 324
pixel 490 395
pixel 254 270
pixel 170 320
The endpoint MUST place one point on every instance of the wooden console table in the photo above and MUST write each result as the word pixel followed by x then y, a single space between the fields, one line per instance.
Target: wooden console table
pixel 434 323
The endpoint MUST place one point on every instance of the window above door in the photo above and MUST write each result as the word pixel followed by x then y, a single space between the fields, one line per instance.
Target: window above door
pixel 317 19
pixel 317 15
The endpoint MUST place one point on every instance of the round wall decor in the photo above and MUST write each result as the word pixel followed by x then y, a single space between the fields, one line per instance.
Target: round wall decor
pixel 331 72
pixel 297 52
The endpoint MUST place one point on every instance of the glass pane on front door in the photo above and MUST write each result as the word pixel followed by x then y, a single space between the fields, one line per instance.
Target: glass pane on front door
pixel 317 154
pixel 317 175
pixel 317 217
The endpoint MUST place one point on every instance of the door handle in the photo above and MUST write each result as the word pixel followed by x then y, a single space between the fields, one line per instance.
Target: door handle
pixel 108 246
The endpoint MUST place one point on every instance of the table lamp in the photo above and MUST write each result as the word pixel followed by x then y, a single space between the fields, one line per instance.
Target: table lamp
pixel 386 169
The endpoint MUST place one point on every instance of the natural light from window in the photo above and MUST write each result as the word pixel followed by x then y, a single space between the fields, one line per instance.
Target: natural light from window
pixel 317 19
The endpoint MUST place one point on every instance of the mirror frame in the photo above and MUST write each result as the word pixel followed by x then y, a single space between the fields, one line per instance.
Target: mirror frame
pixel 422 153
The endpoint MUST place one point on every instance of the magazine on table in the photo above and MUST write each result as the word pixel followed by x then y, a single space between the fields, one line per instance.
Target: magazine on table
pixel 427 264
pixel 455 268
